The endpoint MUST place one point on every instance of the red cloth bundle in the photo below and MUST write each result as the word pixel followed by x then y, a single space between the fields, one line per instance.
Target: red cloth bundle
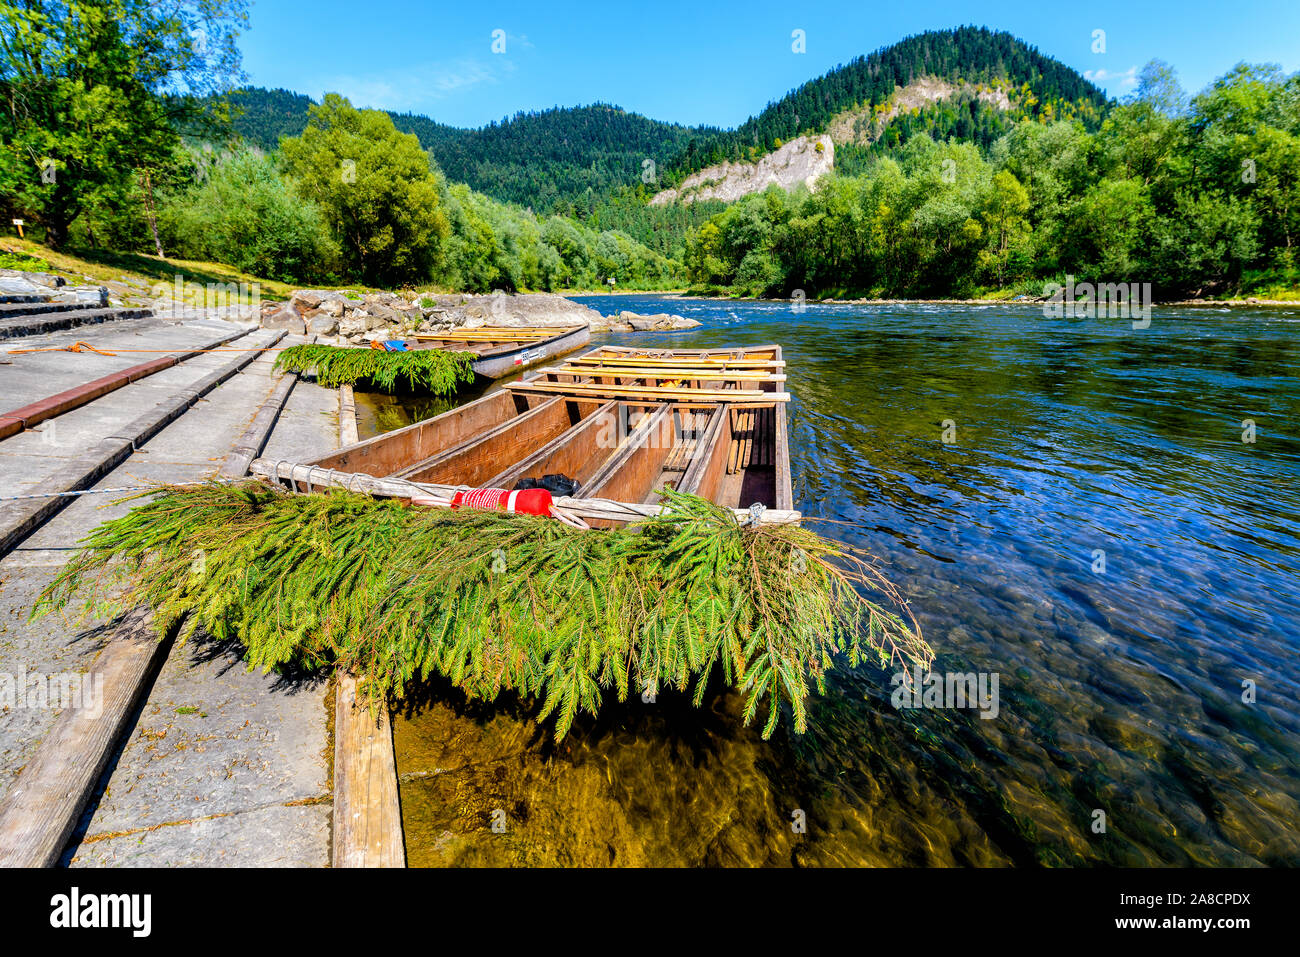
pixel 531 501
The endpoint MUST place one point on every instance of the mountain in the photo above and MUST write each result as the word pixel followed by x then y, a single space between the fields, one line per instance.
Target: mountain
pixel 970 83
pixel 263 116
pixel 967 57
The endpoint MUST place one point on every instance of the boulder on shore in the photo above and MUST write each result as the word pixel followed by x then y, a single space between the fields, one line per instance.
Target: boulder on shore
pixel 534 310
pixel 658 322
pixel 393 315
pixel 284 317
pixel 323 324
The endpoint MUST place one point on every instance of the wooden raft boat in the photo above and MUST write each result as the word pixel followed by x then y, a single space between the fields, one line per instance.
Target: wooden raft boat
pixel 503 350
pixel 624 423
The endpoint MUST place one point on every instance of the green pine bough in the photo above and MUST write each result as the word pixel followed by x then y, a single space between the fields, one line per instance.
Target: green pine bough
pixel 422 370
pixel 493 600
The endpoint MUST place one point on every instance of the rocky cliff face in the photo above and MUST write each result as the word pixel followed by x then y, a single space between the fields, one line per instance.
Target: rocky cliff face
pixel 803 160
pixel 807 159
pixel 864 126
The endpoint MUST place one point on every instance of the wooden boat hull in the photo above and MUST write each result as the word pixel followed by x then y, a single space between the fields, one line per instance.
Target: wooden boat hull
pixel 624 449
pixel 750 448
pixel 497 358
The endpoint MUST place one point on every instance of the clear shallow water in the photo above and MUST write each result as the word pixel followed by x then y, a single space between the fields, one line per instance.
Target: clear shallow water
pixel 1120 690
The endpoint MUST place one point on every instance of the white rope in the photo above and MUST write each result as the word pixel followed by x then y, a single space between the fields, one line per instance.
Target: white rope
pixel 443 495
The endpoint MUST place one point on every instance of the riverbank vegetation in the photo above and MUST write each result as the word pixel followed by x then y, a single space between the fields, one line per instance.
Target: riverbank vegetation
pixel 1198 198
pixel 1024 175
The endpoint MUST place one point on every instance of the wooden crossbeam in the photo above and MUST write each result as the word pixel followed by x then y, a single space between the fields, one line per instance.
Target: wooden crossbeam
pixel 500 332
pixel 549 330
pixel 687 361
pixel 440 337
pixel 657 393
pixel 662 373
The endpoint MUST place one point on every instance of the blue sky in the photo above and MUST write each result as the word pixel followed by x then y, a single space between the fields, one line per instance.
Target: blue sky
pixel 703 62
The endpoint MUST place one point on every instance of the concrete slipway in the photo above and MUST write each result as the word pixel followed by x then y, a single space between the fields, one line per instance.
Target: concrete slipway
pixel 219 766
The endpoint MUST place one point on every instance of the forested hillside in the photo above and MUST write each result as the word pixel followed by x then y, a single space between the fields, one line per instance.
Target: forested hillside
pixel 263 116
pixel 1199 198
pixel 571 157
pixel 554 156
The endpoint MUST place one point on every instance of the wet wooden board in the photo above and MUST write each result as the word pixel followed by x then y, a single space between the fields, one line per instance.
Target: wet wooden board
pixel 684 361
pixel 367 809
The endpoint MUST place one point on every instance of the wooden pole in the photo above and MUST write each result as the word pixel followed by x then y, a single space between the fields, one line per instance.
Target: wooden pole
pixel 367 808
pixel 441 495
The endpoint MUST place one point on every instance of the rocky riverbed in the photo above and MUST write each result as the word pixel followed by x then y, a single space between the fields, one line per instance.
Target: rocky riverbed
pixel 354 316
pixel 362 317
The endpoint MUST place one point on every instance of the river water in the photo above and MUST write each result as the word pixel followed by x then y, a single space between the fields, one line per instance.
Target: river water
pixel 1106 519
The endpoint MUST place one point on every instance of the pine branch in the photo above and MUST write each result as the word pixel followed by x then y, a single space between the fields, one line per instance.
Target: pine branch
pixel 399 594
pixel 422 370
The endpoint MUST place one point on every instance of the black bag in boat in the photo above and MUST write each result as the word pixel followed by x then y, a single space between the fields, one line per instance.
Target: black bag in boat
pixel 558 485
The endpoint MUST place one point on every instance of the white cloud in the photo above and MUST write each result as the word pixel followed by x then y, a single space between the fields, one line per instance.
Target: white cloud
pixel 411 88
pixel 1126 79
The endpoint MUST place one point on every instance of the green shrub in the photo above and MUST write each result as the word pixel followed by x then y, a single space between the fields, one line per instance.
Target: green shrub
pixel 244 212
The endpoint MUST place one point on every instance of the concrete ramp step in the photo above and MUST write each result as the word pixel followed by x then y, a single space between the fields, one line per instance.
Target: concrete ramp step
pixel 90 440
pixel 15 326
pixel 39 308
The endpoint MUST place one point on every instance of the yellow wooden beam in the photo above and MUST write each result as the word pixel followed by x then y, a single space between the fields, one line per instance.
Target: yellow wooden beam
pixel 656 393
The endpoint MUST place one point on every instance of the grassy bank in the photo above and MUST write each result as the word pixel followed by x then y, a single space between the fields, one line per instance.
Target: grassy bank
pixel 131 275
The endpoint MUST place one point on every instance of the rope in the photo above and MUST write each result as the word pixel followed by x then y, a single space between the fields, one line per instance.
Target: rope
pixel 75 347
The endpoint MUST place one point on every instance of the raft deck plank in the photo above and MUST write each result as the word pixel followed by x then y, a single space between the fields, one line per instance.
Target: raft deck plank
pixel 658 372
pixel 42 807
pixel 686 362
